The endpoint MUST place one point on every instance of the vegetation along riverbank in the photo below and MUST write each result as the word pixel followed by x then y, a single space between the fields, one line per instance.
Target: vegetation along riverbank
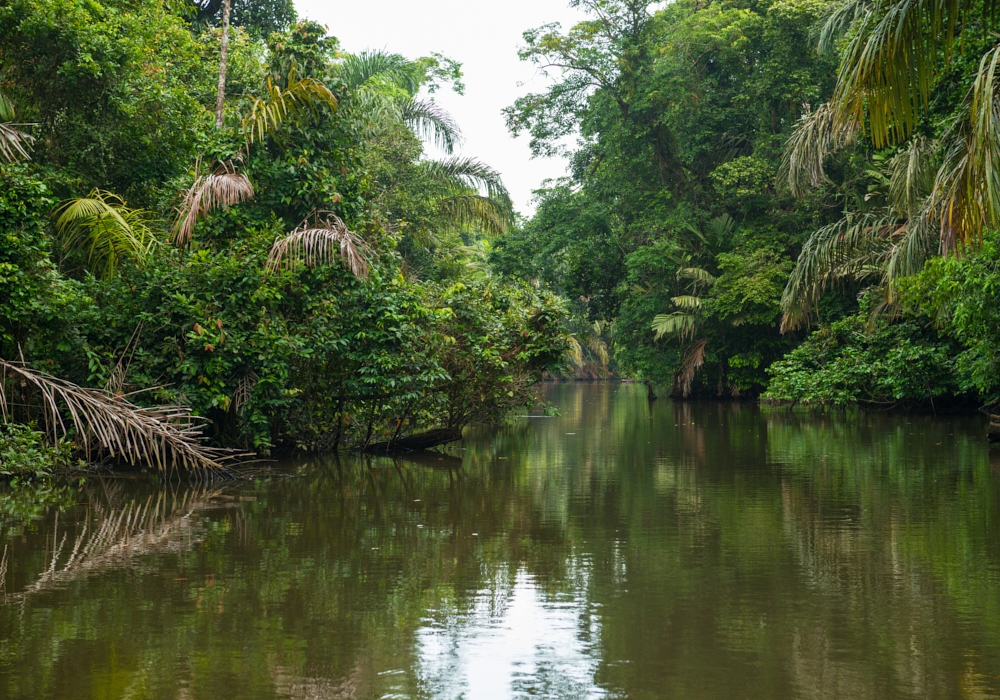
pixel 223 235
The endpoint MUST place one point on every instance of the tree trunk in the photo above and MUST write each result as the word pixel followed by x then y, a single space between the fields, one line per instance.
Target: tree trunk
pixel 416 443
pixel 223 62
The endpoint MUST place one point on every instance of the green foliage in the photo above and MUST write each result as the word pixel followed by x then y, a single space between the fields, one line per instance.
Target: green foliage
pixel 275 354
pixel 38 306
pixel 112 87
pixel 26 454
pixel 260 18
pixel 683 110
pixel 852 362
pixel 962 295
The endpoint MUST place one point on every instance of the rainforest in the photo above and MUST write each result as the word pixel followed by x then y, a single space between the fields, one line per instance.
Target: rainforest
pixel 222 234
pixel 302 397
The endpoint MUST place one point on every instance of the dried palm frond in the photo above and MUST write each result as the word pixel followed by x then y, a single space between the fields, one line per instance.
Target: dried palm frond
pixel 318 242
pixel 817 134
pixel 244 389
pixel 14 141
pixel 222 188
pixel 300 96
pixel 116 381
pixel 693 360
pixel 109 230
pixel 103 424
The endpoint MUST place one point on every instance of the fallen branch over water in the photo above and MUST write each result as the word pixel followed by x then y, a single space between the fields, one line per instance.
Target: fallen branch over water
pixel 415 443
pixel 105 424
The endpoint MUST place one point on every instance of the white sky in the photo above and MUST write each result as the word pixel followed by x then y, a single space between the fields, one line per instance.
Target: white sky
pixel 484 36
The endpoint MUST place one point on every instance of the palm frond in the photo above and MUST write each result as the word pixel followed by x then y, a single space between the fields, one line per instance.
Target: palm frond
pixel 688 303
pixel 697 274
pixel 429 121
pixel 7 111
pixel 720 227
pixel 318 241
pixel 14 141
pixel 574 351
pixel 892 60
pixel 222 188
pixel 911 176
pixel 468 172
pixel 361 68
pixel 476 211
pixel 835 22
pixel 677 323
pixel 103 424
pixel 856 247
pixel 102 224
pixel 966 193
pixel 693 360
pixel 279 105
pixel 818 133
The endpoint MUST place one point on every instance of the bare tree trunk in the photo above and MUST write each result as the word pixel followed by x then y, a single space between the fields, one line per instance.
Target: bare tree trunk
pixel 223 61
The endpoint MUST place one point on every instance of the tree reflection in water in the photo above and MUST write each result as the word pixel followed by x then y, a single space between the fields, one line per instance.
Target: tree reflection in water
pixel 623 549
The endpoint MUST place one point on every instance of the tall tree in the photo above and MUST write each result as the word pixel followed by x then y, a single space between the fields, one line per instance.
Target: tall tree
pixel 220 99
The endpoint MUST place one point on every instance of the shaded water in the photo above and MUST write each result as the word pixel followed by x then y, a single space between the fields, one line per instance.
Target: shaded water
pixel 620 550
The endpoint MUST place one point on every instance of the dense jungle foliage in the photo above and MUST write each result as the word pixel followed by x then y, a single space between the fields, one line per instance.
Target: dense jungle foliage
pixel 787 198
pixel 286 262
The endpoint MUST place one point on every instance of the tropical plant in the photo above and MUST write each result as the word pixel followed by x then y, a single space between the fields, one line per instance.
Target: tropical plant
pixel 382 88
pixel 476 196
pixel 220 189
pixel 102 424
pixel 895 54
pixel 278 105
pixel 14 141
pixel 886 239
pixel 684 325
pixel 106 228
pixel 318 240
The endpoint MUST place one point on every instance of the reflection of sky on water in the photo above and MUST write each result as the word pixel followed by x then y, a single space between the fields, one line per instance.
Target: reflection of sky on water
pixel 532 644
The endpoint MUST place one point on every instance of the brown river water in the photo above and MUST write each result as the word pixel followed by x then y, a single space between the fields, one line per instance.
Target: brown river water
pixel 620 550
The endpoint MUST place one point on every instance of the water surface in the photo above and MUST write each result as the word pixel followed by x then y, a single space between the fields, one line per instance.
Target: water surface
pixel 621 550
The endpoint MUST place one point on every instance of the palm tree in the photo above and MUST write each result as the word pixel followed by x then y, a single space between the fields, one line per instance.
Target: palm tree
pixel 686 324
pixel 382 88
pixel 895 52
pixel 381 91
pixel 886 237
pixel 106 228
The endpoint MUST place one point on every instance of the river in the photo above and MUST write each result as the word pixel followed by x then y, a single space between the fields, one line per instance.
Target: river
pixel 620 550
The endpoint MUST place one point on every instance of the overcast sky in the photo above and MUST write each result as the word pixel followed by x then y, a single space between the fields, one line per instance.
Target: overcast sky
pixel 484 37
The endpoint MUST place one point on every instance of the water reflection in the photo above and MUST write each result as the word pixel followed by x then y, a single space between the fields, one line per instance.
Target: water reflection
pixel 624 549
